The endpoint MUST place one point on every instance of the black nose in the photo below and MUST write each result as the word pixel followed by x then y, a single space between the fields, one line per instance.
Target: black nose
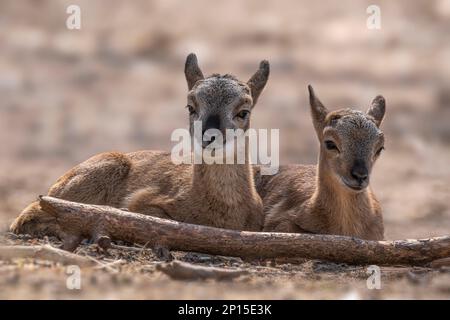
pixel 359 172
pixel 212 122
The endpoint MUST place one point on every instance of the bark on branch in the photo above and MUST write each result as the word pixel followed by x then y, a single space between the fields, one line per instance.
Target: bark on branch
pixel 84 221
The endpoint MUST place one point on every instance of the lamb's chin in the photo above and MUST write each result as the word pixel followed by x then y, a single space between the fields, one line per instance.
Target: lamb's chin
pixel 222 154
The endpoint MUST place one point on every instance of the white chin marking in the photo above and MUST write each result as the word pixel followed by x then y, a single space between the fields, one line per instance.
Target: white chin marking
pixel 342 181
pixel 224 154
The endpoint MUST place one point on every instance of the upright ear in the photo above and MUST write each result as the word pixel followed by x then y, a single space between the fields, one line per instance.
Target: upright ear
pixel 192 71
pixel 318 112
pixel 259 80
pixel 377 109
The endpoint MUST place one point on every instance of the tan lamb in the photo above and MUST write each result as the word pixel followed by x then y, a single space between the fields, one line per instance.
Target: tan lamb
pixel 333 197
pixel 148 182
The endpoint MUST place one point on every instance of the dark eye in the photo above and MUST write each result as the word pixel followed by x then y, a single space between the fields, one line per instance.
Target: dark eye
pixel 191 109
pixel 379 151
pixel 243 114
pixel 331 145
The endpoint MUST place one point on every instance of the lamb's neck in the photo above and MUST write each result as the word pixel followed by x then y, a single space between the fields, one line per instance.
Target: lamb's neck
pixel 344 208
pixel 229 184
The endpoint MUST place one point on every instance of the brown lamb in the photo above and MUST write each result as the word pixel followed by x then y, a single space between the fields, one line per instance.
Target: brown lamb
pixel 333 197
pixel 148 182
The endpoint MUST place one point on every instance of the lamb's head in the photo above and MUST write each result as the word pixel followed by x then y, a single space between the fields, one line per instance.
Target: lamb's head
pixel 350 140
pixel 221 102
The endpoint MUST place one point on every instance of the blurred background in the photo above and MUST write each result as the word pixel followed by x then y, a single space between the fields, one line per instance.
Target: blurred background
pixel 118 84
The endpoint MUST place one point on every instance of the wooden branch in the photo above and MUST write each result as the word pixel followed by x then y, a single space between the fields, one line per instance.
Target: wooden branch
pixel 445 262
pixel 186 271
pixel 45 252
pixel 81 220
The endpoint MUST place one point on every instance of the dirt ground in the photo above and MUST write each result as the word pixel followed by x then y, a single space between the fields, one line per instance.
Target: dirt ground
pixel 117 84
pixel 133 274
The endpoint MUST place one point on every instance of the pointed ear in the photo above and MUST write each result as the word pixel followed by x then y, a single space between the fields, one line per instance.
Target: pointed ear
pixel 259 80
pixel 318 112
pixel 192 71
pixel 377 109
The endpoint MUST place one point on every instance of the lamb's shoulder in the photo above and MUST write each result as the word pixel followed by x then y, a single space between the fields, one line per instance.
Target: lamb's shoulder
pixel 297 181
pixel 285 196
pixel 153 176
pixel 156 169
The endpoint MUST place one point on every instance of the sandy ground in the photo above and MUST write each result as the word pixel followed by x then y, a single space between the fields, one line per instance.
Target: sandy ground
pixel 131 274
pixel 117 84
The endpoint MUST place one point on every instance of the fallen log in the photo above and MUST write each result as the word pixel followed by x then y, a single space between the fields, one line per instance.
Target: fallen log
pixel 103 223
pixel 44 252
pixel 445 262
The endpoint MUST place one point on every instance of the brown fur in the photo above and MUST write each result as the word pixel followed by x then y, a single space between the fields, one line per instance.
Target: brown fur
pixel 149 182
pixel 312 199
pixel 216 195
